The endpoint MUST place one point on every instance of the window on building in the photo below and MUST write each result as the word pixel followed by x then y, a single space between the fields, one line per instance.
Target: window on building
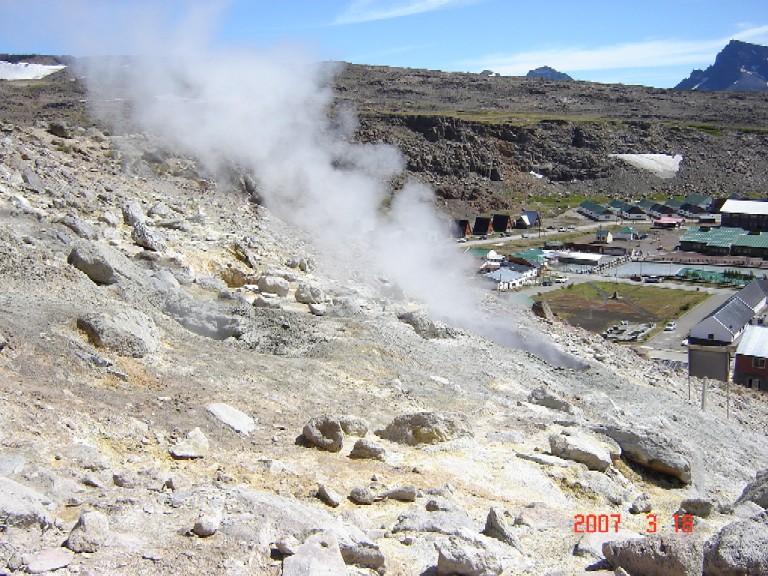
pixel 758 363
pixel 711 336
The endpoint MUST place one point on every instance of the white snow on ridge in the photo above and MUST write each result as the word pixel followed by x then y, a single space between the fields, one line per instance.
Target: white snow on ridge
pixel 26 71
pixel 663 165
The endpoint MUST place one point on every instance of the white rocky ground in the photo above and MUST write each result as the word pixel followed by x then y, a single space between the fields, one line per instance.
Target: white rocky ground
pixel 169 352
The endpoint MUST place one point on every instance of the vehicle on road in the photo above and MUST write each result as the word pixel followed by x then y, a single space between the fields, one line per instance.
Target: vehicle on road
pixel 461 240
pixel 562 229
pixel 670 327
pixel 561 279
pixel 526 235
pixel 652 279
pixel 547 283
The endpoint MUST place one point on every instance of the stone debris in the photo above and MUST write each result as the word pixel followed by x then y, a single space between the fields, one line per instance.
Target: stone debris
pixel 354 425
pixel 318 555
pixel 324 432
pixel 367 449
pixel 232 417
pixel 641 505
pixel 273 285
pixel 660 555
pixel 362 495
pixel 581 448
pixel 309 294
pixel 496 526
pixel 194 446
pixel 22 506
pixel 402 493
pixel 426 428
pixel 48 560
pixel 89 534
pixel 459 556
pixel 329 496
pixel 127 332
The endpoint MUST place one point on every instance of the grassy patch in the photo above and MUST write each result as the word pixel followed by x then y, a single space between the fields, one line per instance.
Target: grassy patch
pixel 591 305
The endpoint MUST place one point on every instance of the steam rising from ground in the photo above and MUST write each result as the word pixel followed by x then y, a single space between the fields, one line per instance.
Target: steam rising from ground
pixel 268 111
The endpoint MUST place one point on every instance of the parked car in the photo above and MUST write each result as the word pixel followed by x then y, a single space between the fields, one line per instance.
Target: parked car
pixel 547 283
pixel 562 229
pixel 571 227
pixel 653 279
pixel 670 327
pixel 561 279
pixel 461 240
pixel 526 235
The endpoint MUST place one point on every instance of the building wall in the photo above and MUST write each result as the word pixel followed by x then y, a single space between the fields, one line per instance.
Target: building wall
pixel 746 221
pixel 746 373
pixel 703 329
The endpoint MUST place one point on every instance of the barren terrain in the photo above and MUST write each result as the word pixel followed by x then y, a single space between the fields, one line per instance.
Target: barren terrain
pixel 188 385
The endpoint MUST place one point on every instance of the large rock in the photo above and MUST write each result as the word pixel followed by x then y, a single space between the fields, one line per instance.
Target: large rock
pixel 367 449
pixel 237 420
pixel 21 506
pixel 325 432
pixel 460 556
pixel 319 555
pixel 133 213
pixel 658 555
pixel 426 428
pixel 757 490
pixel 101 263
pixel 654 451
pixel 149 239
pixel 739 549
pixel 127 332
pixel 543 397
pixel 48 560
pixel 450 523
pixel 273 285
pixel 581 448
pixel 195 445
pixel 426 327
pixel 497 527
pixel 89 534
pixel 308 294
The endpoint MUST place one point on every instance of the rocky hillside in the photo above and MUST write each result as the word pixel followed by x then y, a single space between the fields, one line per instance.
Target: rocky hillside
pixel 184 388
pixel 488 143
pixel 739 66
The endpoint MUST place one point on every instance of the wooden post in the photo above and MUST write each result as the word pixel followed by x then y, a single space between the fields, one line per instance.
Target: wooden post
pixel 703 393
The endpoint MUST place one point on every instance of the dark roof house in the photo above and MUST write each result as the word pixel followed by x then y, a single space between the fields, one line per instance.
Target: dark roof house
pixel 501 222
pixel 483 226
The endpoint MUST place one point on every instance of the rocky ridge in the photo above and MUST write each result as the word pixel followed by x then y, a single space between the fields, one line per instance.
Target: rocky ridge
pixel 171 403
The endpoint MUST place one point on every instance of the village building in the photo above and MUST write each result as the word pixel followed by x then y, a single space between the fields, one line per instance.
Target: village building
pixel 626 211
pixel 696 205
pixel 669 222
pixel 483 226
pixel 596 211
pixel 750 215
pixel 461 228
pixel 603 236
pixel 751 363
pixel 528 219
pixel 627 233
pixel 507 279
pixel 501 222
pixel 725 240
pixel 727 322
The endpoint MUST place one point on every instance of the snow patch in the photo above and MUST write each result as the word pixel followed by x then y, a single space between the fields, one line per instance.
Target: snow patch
pixel 663 165
pixel 26 71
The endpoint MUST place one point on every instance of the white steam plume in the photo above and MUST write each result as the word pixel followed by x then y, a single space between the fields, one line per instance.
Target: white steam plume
pixel 267 111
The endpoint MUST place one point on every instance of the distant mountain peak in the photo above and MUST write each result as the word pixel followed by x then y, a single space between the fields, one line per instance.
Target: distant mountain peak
pixel 738 66
pixel 547 73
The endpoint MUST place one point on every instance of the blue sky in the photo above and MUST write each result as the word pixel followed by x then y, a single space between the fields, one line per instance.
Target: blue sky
pixel 656 43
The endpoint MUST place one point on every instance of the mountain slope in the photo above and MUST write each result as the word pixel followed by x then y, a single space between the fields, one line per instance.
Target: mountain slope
pixel 738 66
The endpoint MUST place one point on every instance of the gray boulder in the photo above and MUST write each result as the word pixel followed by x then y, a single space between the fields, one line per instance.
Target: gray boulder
pixel 133 213
pixel 89 534
pixel 208 319
pixel 206 525
pixel 406 493
pixel 101 263
pixel 739 549
pixel 362 495
pixel 657 555
pixel 329 496
pixel 308 294
pixel 701 507
pixel 48 560
pixel 149 239
pixel 757 490
pixel 324 432
pixel 354 425
pixel 460 556
pixel 127 332
pixel 318 309
pixel 426 428
pixel 21 506
pixel 273 285
pixel 367 449
pixel 318 555
pixel 80 227
pixel 653 450
pixel 450 523
pixel 237 420
pixel 497 527
pixel 195 445
pixel 641 505
pixel 543 397
pixel 426 327
pixel 581 448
